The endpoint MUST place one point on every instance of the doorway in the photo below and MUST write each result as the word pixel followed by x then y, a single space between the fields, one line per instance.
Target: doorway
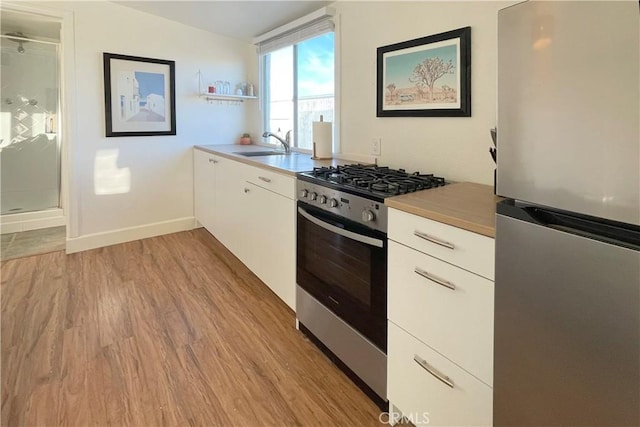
pixel 31 216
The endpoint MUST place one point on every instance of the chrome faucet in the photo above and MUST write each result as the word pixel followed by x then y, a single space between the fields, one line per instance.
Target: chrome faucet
pixel 286 142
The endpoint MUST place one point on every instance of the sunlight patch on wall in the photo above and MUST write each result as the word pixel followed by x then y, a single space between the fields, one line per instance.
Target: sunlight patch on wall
pixel 107 177
pixel 5 129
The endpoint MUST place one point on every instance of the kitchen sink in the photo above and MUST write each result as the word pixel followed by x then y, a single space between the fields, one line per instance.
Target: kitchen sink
pixel 261 153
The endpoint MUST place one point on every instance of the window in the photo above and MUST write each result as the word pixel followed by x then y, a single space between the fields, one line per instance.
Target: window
pixel 298 77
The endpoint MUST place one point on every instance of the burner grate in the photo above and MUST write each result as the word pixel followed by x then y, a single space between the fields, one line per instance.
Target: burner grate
pixel 380 180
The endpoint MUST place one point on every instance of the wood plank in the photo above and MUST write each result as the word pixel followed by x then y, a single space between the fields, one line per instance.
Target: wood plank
pixel 172 330
pixel 35 304
pixel 73 400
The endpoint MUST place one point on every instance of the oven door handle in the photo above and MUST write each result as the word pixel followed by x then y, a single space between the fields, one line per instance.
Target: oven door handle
pixel 346 233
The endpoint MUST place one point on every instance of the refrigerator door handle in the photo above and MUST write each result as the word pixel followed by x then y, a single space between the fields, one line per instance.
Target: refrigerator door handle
pixel 607 232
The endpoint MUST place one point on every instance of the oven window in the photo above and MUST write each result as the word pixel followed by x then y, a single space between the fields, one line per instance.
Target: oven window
pixel 339 261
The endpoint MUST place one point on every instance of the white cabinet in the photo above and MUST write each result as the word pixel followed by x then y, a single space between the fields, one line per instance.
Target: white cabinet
pixel 471 251
pixel 271 226
pixel 271 246
pixel 231 217
pixel 272 181
pixel 431 390
pixel 440 310
pixel 204 187
pixel 218 184
pixel 444 306
pixel 251 211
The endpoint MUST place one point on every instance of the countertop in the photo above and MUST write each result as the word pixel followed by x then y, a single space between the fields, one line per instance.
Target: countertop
pixel 465 205
pixel 290 164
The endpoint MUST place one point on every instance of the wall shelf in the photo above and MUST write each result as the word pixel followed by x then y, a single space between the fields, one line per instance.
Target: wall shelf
pixel 220 97
pixel 229 98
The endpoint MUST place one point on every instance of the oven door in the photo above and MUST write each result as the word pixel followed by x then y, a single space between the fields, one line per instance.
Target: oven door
pixel 344 266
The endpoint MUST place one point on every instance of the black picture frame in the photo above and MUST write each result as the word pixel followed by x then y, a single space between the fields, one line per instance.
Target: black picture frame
pixel 424 57
pixel 135 90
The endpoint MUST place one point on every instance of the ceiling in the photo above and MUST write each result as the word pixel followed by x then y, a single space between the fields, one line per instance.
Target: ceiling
pixel 238 19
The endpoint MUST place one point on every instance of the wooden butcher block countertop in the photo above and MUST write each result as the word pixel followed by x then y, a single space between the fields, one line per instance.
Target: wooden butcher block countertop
pixel 464 205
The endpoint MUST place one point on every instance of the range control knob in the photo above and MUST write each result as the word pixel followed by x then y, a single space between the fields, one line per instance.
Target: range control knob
pixel 304 193
pixel 323 200
pixel 313 196
pixel 333 203
pixel 368 215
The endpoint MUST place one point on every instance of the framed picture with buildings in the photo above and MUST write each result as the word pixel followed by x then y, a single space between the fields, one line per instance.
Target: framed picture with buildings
pixel 429 76
pixel 139 96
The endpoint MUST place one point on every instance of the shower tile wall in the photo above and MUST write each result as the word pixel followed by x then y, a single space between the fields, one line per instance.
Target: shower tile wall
pixel 29 149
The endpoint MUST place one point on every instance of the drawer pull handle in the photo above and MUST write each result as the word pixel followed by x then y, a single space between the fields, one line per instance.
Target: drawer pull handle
pixel 435 240
pixel 212 160
pixel 262 178
pixel 433 371
pixel 434 278
pixel 246 190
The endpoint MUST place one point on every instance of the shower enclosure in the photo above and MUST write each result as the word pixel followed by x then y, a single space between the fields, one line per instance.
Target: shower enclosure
pixel 29 138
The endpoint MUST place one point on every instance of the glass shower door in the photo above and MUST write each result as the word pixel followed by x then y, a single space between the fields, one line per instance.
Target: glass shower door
pixel 29 142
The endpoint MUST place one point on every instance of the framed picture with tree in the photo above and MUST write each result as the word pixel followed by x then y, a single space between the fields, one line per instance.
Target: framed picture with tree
pixel 429 76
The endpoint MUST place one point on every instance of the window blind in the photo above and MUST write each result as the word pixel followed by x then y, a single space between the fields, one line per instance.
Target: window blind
pixel 296 35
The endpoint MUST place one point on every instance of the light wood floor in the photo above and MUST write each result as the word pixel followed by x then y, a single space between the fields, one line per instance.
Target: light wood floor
pixel 171 331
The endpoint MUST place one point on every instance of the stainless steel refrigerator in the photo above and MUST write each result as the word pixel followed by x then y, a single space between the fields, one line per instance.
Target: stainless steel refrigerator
pixel 567 284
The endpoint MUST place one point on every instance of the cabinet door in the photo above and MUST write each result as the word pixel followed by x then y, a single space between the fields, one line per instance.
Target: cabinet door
pixel 273 181
pixel 462 248
pixel 231 219
pixel 204 188
pixel 271 246
pixel 429 389
pixel 444 306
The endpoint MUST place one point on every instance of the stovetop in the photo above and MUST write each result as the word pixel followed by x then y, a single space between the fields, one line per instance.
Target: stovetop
pixel 357 192
pixel 375 182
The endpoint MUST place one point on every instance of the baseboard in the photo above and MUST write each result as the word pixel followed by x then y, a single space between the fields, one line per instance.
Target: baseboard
pixel 18 222
pixel 122 235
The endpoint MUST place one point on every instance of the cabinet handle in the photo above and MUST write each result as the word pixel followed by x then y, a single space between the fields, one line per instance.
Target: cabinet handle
pixel 246 190
pixel 262 178
pixel 434 278
pixel 435 240
pixel 433 371
pixel 214 161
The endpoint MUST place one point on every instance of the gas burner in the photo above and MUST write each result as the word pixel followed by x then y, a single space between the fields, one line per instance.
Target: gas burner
pixel 371 180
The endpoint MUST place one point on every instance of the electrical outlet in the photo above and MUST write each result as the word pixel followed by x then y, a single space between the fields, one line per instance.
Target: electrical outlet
pixel 376 146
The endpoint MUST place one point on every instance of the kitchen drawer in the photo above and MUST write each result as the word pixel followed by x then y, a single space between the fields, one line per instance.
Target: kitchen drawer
pixel 276 182
pixel 468 250
pixel 457 323
pixel 425 399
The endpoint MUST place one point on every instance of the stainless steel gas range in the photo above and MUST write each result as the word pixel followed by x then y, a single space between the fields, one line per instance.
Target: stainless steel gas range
pixel 341 271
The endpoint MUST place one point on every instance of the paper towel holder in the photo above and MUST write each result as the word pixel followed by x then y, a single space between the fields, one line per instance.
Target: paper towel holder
pixel 314 156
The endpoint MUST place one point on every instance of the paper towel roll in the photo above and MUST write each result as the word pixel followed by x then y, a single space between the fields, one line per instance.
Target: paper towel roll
pixel 322 140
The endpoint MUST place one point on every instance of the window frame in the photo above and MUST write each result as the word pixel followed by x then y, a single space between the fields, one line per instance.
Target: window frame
pixel 264 75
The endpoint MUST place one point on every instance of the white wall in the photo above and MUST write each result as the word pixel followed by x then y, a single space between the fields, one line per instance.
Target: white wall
pixel 456 147
pixel 150 178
